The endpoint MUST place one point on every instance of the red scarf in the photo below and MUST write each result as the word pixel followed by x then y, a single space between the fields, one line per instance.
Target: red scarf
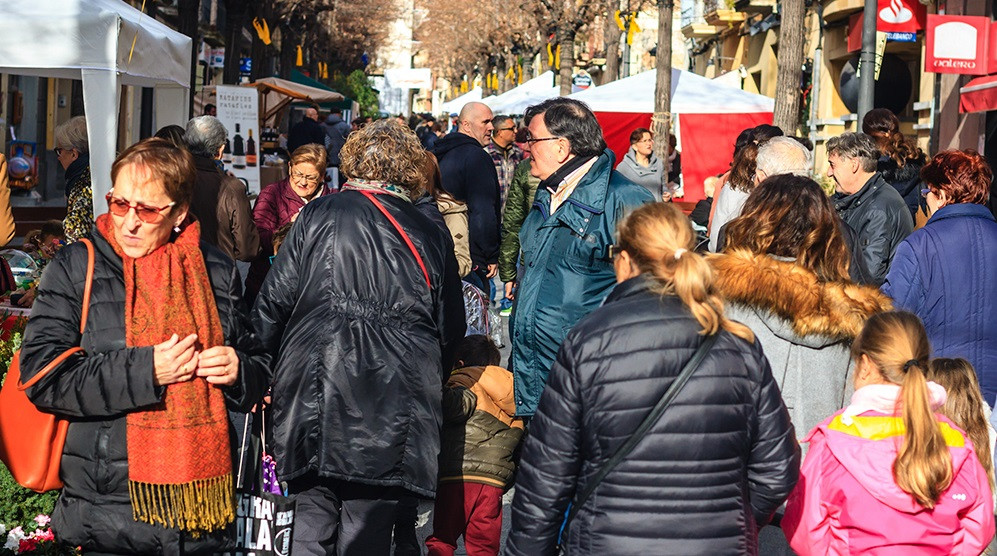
pixel 179 458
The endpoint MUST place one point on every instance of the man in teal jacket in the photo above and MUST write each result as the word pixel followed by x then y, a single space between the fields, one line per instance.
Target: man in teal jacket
pixel 566 237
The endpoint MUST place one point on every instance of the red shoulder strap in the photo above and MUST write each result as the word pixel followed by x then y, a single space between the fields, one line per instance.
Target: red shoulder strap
pixel 405 237
pixel 88 285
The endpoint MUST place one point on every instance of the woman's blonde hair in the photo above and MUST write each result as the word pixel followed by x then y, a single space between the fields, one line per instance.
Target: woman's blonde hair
pixel 387 151
pixel 313 154
pixel 659 240
pixel 897 343
pixel 964 405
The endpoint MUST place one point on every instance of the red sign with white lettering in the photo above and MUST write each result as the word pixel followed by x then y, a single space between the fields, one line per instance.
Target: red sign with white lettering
pixel 957 44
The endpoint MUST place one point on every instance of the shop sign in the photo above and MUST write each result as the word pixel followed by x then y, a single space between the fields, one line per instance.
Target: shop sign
pixel 900 16
pixel 957 44
pixel 899 19
pixel 581 81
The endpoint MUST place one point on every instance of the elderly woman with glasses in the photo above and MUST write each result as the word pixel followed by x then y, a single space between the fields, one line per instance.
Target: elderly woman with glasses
pixel 280 202
pixel 945 272
pixel 167 351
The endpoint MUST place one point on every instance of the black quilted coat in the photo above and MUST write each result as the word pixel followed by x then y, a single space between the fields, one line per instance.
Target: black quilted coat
pixel 361 342
pixel 703 480
pixel 95 391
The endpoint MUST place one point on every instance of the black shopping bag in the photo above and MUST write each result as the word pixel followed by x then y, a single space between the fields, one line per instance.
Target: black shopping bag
pixel 264 518
pixel 264 524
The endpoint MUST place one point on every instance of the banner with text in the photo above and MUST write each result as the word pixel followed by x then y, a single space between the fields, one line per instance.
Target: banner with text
pixel 238 110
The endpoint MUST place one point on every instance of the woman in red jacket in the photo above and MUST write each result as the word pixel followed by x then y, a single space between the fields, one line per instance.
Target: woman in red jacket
pixel 279 203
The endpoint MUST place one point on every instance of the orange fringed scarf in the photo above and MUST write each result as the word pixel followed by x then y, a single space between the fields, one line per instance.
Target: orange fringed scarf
pixel 179 463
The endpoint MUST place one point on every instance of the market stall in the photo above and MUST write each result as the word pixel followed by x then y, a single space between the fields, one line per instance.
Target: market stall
pixel 710 116
pixel 515 101
pixel 454 106
pixel 106 44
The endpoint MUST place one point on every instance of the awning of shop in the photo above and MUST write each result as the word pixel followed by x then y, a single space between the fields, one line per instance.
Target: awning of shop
pixel 298 77
pixel 979 94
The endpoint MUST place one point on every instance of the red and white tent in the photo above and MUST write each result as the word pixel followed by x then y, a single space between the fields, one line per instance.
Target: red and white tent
pixel 710 116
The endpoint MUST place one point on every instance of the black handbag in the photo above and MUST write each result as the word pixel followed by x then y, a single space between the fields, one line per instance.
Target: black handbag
pixel 631 443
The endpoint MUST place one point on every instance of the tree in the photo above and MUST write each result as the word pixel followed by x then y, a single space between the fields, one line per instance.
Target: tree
pixel 790 65
pixel 612 34
pixel 661 120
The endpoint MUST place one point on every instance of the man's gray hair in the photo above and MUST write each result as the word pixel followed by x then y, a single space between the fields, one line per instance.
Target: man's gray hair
pixel 500 119
pixel 784 155
pixel 72 134
pixel 205 135
pixel 858 146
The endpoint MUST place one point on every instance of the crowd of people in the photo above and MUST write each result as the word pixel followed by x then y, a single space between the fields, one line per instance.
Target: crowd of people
pixel 782 370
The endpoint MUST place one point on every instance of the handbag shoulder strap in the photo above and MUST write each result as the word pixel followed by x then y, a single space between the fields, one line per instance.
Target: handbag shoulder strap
pixel 408 240
pixel 88 285
pixel 649 421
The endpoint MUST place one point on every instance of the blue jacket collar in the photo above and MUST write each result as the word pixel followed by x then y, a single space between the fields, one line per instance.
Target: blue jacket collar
pixel 971 210
pixel 637 285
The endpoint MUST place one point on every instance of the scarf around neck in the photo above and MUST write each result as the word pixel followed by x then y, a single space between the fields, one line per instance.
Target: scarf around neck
pixel 376 187
pixel 179 458
pixel 554 180
pixel 75 171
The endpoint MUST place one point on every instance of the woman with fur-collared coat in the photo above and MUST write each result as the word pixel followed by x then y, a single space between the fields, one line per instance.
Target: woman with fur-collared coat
pixel 785 276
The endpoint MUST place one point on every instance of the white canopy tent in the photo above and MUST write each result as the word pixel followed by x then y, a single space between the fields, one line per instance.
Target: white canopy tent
pixel 691 94
pixel 454 106
pixel 106 44
pixel 518 99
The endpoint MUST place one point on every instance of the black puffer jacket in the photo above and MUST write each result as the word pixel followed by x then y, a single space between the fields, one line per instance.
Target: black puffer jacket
pixel 361 343
pixel 905 179
pixel 881 220
pixel 95 391
pixel 707 475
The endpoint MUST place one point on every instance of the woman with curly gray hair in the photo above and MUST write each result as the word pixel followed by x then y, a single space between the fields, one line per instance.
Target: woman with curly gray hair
pixel 360 312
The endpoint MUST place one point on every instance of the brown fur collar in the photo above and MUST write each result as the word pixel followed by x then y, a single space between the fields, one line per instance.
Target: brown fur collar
pixel 835 309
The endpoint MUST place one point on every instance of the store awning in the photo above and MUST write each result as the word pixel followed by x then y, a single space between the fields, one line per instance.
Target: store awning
pixel 979 94
pixel 300 78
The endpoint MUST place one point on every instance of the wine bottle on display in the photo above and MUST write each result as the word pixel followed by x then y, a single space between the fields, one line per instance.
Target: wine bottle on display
pixel 250 150
pixel 238 150
pixel 227 152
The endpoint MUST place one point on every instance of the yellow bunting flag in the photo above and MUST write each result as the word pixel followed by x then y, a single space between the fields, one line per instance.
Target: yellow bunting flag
pixel 301 58
pixel 262 30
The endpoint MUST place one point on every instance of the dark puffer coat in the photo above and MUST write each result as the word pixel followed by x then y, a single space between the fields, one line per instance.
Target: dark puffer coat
pixel 95 391
pixel 707 475
pixel 881 221
pixel 360 342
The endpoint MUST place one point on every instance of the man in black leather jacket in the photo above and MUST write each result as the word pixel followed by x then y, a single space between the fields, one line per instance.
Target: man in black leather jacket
pixel 866 202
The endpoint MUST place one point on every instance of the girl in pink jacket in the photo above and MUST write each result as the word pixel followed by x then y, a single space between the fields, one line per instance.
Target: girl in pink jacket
pixel 886 475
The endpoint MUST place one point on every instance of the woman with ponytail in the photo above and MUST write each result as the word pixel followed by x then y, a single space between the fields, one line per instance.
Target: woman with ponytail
pixel 710 471
pixel 900 160
pixel 887 475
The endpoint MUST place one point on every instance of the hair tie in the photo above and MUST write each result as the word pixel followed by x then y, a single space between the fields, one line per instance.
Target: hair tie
pixel 679 251
pixel 911 363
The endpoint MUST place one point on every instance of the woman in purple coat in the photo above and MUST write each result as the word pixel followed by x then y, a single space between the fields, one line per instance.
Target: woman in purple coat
pixel 279 203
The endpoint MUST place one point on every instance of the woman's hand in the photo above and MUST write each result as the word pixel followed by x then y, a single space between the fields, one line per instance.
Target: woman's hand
pixel 175 360
pixel 218 365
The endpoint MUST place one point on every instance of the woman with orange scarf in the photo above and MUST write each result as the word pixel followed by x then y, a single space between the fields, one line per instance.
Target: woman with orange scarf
pixel 148 460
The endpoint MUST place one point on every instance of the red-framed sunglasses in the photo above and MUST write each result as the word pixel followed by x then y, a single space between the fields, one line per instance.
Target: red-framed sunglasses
pixel 146 213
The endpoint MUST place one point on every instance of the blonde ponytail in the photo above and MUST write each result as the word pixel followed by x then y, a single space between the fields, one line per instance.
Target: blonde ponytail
pixel 659 239
pixel 897 343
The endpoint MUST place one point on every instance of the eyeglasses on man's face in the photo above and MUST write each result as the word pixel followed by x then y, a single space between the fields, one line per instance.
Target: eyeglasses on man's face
pixel 530 140
pixel 512 129
pixel 146 213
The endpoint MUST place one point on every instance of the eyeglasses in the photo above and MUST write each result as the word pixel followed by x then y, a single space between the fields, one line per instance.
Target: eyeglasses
pixel 146 213
pixel 296 176
pixel 925 191
pixel 530 140
pixel 613 251
pixel 60 150
pixel 505 129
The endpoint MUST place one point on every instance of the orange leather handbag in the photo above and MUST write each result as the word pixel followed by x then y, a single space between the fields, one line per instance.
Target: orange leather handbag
pixel 31 441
